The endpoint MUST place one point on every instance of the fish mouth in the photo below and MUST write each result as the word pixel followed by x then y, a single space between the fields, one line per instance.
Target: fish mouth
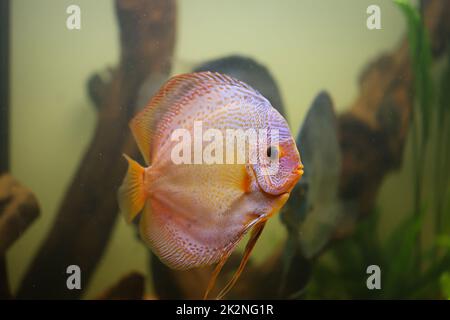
pixel 297 174
pixel 299 170
pixel 294 178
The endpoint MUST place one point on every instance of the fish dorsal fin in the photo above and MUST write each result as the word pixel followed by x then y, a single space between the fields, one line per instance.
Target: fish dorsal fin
pixel 171 97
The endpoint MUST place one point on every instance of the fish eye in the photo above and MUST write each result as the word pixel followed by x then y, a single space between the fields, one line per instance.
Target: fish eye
pixel 272 152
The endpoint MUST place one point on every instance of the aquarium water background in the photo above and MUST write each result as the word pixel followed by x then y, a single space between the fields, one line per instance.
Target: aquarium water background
pixel 308 46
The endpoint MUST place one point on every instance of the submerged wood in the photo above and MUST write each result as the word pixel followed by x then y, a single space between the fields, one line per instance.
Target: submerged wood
pixel 5 291
pixel 4 117
pixel 88 212
pixel 129 287
pixel 19 208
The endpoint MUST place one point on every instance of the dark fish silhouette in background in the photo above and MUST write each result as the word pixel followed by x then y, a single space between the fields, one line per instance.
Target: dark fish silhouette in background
pixel 314 209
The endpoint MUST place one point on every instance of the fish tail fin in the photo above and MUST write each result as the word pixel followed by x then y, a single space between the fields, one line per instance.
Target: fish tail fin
pixel 132 195
pixel 256 232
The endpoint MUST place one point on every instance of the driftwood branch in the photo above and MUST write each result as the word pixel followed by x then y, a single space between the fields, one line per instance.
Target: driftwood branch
pixel 88 212
pixel 130 287
pixel 18 209
pixel 5 291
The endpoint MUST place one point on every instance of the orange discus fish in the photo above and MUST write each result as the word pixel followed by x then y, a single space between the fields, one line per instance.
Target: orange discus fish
pixel 195 211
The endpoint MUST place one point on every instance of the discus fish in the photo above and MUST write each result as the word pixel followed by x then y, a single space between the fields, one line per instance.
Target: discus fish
pixel 194 214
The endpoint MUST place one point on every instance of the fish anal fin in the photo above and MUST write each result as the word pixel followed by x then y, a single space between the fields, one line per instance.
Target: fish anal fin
pixel 164 229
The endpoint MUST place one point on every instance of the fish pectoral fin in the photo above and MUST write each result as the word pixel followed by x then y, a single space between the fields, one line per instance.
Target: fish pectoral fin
pixel 131 193
pixel 256 232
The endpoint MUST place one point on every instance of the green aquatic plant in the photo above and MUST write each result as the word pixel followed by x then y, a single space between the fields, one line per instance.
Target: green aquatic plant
pixel 442 152
pixel 435 119
pixel 341 272
pixel 445 285
pixel 428 113
pixel 419 47
pixel 420 57
pixel 408 269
